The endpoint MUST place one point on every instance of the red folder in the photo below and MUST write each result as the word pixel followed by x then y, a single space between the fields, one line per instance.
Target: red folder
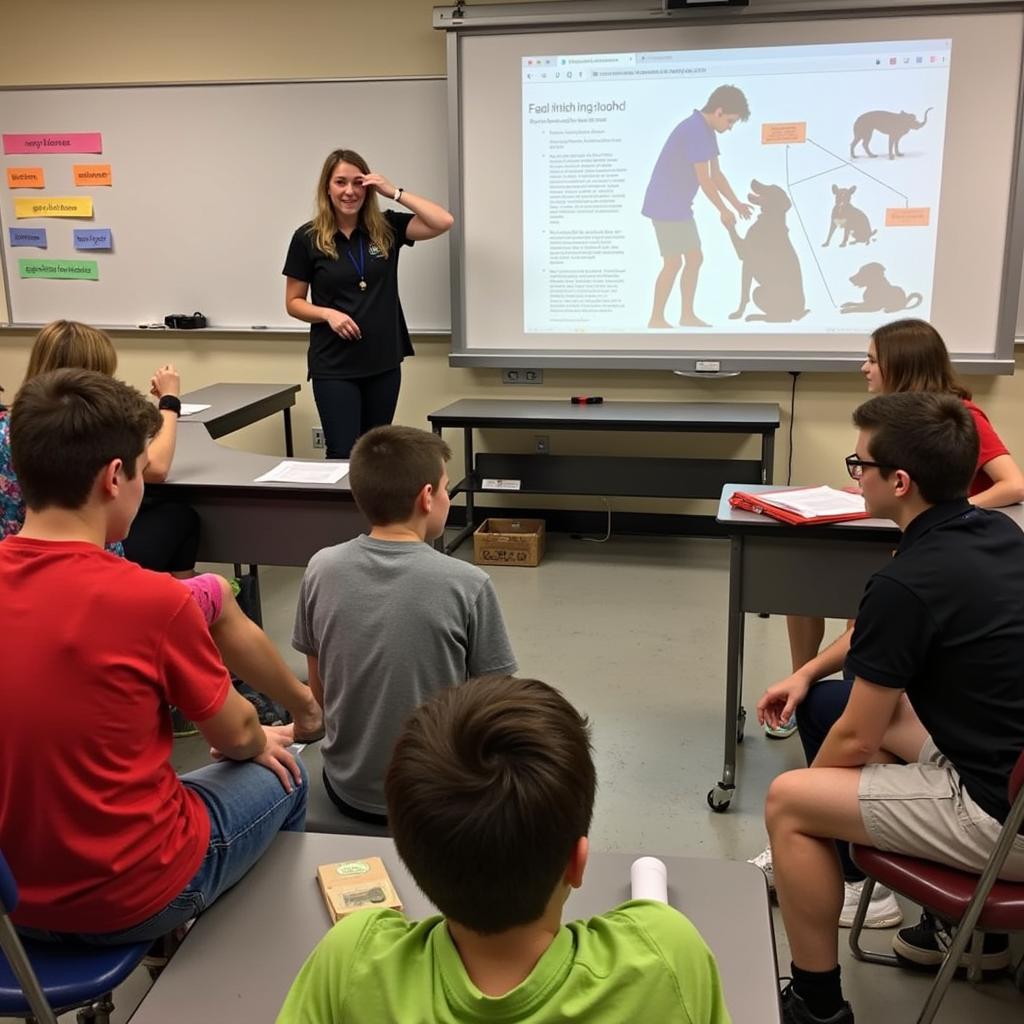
pixel 762 504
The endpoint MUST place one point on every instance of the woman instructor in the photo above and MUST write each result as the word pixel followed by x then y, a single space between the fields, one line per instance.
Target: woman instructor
pixel 342 279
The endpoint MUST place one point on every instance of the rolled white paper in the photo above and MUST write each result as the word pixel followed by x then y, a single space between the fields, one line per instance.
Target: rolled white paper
pixel 648 878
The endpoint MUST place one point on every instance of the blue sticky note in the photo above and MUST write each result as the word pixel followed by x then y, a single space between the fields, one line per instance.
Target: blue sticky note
pixel 93 238
pixel 28 236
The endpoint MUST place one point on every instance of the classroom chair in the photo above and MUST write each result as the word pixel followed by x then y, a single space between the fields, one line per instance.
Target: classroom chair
pixel 39 980
pixel 976 903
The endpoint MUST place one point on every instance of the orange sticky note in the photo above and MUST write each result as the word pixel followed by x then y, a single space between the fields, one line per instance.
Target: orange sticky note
pixel 25 177
pixel 907 216
pixel 92 174
pixel 783 131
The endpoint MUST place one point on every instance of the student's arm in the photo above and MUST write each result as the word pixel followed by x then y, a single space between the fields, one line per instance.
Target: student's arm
pixel 710 189
pixel 166 381
pixel 781 699
pixel 316 684
pixel 429 220
pixel 490 652
pixel 722 185
pixel 856 736
pixel 298 306
pixel 1007 484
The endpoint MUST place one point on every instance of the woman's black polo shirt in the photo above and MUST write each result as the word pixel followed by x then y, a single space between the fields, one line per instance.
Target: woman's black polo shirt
pixel 335 284
pixel 945 622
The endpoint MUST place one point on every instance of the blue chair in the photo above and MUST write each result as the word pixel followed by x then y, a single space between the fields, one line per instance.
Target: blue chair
pixel 38 980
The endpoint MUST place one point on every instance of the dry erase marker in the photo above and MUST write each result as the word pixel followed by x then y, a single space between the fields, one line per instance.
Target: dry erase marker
pixel 153 327
pixel 259 327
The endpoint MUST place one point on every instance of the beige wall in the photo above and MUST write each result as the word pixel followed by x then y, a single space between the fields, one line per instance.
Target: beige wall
pixel 183 40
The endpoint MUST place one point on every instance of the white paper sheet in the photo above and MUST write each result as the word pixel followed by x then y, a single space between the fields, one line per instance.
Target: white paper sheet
pixel 292 472
pixel 187 408
pixel 817 501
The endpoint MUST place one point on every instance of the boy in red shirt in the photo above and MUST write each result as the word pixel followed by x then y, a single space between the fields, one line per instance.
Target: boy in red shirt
pixel 107 844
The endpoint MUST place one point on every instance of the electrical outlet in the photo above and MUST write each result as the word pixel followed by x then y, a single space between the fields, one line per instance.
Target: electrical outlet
pixel 517 376
pixel 542 444
pixel 318 438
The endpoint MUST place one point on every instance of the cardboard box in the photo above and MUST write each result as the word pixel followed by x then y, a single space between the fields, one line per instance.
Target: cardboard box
pixel 350 885
pixel 509 542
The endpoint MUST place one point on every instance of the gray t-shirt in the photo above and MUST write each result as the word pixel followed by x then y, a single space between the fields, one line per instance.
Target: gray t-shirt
pixel 390 623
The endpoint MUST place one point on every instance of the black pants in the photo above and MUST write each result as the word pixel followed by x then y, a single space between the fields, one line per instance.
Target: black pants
pixel 824 703
pixel 349 408
pixel 164 536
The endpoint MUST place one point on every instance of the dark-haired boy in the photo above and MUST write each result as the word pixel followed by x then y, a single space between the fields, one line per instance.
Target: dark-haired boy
pixel 107 843
pixel 385 621
pixel 937 655
pixel 689 161
pixel 490 793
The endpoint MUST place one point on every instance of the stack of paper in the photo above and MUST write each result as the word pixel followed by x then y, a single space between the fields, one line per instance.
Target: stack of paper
pixel 812 502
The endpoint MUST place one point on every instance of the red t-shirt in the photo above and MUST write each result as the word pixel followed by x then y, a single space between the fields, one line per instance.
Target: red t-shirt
pixel 99 832
pixel 989 446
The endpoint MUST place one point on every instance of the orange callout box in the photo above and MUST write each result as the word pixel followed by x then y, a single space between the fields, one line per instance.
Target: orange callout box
pixel 25 177
pixel 907 216
pixel 774 134
pixel 92 174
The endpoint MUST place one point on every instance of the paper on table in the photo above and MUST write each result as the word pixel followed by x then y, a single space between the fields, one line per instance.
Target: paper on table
pixel 648 879
pixel 810 502
pixel 187 408
pixel 305 473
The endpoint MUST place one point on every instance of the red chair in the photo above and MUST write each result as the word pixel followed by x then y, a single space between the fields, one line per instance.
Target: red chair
pixel 976 904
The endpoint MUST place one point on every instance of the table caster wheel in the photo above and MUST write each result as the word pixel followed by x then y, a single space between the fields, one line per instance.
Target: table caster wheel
pixel 720 797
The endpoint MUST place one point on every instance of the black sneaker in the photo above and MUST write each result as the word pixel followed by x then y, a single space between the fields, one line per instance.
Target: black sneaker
pixel 925 944
pixel 794 1010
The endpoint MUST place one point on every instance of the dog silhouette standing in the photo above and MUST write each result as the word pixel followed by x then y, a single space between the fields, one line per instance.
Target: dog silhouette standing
pixel 768 257
pixel 845 215
pixel 879 295
pixel 888 122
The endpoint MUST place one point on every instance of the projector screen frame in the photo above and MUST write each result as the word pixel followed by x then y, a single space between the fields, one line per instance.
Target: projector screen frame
pixel 594 15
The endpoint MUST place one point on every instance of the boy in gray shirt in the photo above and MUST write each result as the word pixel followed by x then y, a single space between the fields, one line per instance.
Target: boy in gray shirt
pixel 385 621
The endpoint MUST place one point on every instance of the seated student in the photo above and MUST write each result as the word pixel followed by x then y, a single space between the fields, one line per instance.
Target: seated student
pixel 385 620
pixel 246 649
pixel 106 842
pixel 490 793
pixel 943 624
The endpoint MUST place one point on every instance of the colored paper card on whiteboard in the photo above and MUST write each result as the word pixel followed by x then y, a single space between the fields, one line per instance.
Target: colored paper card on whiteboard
pixel 53 206
pixel 25 177
pixel 60 270
pixel 92 174
pixel 93 238
pixel 54 142
pixel 35 237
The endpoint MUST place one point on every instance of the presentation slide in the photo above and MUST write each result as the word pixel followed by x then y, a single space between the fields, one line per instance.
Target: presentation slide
pixel 759 190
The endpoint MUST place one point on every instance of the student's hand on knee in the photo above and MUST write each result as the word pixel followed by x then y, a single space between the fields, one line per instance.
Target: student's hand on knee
pixel 278 758
pixel 779 702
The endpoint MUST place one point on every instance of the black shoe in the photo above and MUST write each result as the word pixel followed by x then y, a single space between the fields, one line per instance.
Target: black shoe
pixel 794 1011
pixel 925 944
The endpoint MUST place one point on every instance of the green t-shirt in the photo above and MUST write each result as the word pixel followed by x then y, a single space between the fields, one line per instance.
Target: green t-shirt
pixel 641 961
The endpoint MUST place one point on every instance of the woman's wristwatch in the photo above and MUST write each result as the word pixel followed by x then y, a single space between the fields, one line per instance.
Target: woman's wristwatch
pixel 171 403
pixel 397 197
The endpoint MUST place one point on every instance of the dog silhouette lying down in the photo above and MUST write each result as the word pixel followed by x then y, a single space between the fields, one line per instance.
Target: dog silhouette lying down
pixel 768 257
pixel 879 295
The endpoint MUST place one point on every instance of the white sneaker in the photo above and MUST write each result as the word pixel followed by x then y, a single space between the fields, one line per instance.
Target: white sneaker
pixel 883 910
pixel 764 861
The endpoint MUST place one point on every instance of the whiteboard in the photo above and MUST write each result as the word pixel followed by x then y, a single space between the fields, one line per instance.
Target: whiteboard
pixel 209 181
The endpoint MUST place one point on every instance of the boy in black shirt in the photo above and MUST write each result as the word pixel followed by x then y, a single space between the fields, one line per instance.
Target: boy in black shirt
pixel 938 656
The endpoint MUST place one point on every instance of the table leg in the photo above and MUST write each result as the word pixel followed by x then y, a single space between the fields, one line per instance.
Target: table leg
pixel 468 490
pixel 767 456
pixel 721 796
pixel 289 447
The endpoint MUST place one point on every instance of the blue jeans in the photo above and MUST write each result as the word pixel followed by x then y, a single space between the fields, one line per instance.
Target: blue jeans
pixel 349 408
pixel 248 806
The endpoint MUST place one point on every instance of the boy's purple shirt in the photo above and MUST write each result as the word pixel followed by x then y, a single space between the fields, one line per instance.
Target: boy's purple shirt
pixel 673 183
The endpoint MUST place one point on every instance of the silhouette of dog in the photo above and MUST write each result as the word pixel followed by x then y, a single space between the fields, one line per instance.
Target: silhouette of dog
pixel 888 122
pixel 769 258
pixel 845 215
pixel 879 295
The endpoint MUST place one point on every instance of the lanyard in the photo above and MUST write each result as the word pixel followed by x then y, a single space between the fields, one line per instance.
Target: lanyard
pixel 360 267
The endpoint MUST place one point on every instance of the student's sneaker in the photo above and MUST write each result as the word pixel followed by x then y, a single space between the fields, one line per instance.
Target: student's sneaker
pixel 782 731
pixel 795 1011
pixel 182 726
pixel 925 945
pixel 764 861
pixel 883 910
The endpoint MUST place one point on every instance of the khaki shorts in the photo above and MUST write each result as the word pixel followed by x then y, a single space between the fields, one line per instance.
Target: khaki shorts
pixel 676 237
pixel 922 809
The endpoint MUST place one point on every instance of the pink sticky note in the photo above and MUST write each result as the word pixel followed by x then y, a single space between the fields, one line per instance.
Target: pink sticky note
pixel 54 142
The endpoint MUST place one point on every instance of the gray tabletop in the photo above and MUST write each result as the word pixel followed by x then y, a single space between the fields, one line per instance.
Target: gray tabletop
pixel 233 406
pixel 239 960
pixel 716 417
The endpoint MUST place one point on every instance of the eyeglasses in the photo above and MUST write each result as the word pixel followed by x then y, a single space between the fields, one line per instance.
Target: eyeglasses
pixel 855 467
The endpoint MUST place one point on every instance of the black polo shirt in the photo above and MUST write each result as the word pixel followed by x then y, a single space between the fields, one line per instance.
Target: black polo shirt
pixel 335 284
pixel 945 622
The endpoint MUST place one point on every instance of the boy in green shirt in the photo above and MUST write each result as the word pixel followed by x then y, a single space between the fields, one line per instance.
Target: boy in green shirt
pixel 490 793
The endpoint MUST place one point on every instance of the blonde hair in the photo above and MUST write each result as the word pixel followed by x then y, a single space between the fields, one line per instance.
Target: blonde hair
pixel 324 226
pixel 69 344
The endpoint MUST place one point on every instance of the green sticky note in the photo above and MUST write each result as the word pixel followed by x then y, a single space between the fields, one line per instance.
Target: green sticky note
pixel 60 270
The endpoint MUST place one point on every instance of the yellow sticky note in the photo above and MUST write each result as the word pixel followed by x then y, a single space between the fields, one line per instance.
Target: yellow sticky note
pixel 25 177
pixel 53 206
pixel 92 174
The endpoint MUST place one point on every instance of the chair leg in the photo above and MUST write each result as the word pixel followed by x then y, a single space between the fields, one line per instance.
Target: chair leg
pixel 859 953
pixel 974 971
pixel 948 969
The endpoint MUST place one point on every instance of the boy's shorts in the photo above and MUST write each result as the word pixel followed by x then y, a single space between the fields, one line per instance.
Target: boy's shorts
pixel 923 810
pixel 207 591
pixel 676 237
